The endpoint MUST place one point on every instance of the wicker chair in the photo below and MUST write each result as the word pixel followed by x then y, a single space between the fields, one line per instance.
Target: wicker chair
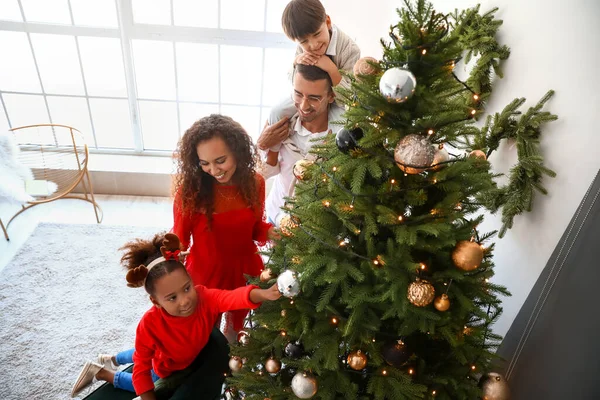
pixel 58 158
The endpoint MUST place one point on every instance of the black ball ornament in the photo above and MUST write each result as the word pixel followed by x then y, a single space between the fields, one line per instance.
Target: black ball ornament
pixel 347 140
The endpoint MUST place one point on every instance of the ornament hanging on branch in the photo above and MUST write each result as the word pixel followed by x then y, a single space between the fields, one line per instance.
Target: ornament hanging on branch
pixel 357 360
pixel 395 353
pixel 366 66
pixel 288 284
pixel 235 364
pixel 266 275
pixel 287 224
pixel 480 155
pixel 243 338
pixel 294 350
pixel 347 139
pixel 421 293
pixel 397 85
pixel 414 154
pixel 442 303
pixel 300 169
pixel 494 387
pixel 467 255
pixel 304 385
pixel 272 365
pixel 440 156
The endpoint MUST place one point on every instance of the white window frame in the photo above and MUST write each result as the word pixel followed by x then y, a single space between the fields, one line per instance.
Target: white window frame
pixel 127 31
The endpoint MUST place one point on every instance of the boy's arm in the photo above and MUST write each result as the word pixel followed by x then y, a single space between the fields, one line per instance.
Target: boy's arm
pixel 327 65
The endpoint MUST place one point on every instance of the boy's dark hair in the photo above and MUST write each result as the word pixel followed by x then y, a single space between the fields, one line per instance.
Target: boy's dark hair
pixel 301 18
pixel 140 252
pixel 313 73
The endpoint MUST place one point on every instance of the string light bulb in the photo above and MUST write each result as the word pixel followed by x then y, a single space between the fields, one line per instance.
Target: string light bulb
pixel 473 367
pixel 291 301
pixel 433 393
pixel 393 181
pixel 326 203
pixel 283 333
pixel 486 280
pixel 384 372
pixel 473 112
pixel 376 262
pixel 334 169
pixel 475 97
pixel 411 371
pixel 422 266
pixel 424 51
pixel 430 132
pixel 334 320
pixel 400 218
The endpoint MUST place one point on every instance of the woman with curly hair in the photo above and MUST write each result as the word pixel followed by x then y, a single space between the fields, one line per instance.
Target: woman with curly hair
pixel 219 204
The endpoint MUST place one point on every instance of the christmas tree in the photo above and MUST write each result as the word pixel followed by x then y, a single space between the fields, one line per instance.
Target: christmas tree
pixel 386 276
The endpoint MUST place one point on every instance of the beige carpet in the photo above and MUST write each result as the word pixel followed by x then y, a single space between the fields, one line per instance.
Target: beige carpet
pixel 63 299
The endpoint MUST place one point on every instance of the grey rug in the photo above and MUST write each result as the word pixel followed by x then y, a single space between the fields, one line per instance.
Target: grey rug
pixel 63 300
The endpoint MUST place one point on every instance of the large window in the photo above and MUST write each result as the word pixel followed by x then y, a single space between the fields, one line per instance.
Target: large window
pixel 133 75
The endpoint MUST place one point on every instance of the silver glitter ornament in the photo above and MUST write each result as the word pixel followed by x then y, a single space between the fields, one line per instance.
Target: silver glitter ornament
pixel 397 85
pixel 414 154
pixel 304 385
pixel 494 387
pixel 288 284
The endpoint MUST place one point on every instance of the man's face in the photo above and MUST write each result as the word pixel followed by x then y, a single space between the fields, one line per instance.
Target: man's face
pixel 311 98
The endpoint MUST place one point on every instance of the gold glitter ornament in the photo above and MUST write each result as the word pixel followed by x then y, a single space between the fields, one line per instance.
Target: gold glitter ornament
pixel 421 293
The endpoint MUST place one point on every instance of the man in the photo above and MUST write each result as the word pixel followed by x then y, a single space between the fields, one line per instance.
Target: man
pixel 315 111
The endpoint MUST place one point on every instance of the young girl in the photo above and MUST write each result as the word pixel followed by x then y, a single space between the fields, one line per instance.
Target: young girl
pixel 219 203
pixel 173 339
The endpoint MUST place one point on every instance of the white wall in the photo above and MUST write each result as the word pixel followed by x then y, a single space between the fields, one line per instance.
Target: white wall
pixel 554 45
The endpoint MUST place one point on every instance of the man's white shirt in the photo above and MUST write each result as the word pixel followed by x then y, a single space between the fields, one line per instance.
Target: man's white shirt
pixel 295 147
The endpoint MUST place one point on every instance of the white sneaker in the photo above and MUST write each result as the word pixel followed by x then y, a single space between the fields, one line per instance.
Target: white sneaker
pixel 86 377
pixel 106 360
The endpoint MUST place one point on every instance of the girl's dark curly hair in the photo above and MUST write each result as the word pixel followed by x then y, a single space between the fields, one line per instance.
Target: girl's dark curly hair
pixel 140 252
pixel 195 187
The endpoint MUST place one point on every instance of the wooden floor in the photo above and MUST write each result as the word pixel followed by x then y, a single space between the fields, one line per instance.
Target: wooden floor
pixel 118 210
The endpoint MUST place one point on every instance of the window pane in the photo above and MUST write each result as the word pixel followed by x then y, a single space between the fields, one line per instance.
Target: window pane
pixel 159 125
pixel 18 75
pixel 152 12
pixel 278 65
pixel 274 12
pixel 103 66
pixel 72 111
pixel 247 15
pixel 196 13
pixel 52 11
pixel 24 109
pixel 102 13
pixel 197 72
pixel 10 11
pixel 247 116
pixel 154 69
pixel 112 123
pixel 241 74
pixel 3 120
pixel 190 113
pixel 57 60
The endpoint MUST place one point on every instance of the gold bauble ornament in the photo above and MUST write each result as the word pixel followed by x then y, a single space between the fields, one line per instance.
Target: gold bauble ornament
pixel 366 66
pixel 421 293
pixel 494 387
pixel 478 154
pixel 300 169
pixel 442 303
pixel 287 224
pixel 467 255
pixel 266 275
pixel 357 360
pixel 235 364
pixel 440 156
pixel 272 365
